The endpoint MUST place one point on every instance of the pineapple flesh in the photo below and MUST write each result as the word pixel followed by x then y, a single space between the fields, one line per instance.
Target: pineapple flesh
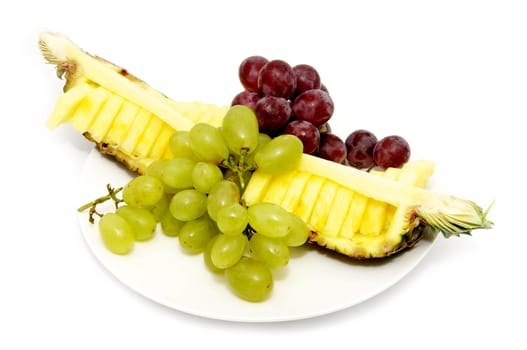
pixel 123 115
pixel 365 215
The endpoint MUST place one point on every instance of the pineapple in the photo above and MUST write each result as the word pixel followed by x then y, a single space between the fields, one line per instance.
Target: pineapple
pixel 123 115
pixel 365 215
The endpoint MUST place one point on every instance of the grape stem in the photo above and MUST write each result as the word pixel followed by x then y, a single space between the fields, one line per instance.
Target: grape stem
pixel 239 168
pixel 112 194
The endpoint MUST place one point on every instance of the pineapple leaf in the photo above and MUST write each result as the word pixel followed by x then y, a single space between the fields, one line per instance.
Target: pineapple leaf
pixel 453 216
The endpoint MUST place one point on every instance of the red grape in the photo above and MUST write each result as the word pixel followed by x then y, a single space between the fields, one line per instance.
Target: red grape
pixel 359 145
pixel 307 78
pixel 277 78
pixel 314 105
pixel 391 151
pixel 248 72
pixel 272 113
pixel 247 98
pixel 332 148
pixel 306 132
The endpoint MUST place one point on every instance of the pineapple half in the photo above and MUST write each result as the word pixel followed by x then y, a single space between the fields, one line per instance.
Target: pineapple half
pixel 360 214
pixel 123 115
pixel 365 215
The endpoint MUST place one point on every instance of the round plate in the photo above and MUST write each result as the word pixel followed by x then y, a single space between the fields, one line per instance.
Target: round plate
pixel 315 282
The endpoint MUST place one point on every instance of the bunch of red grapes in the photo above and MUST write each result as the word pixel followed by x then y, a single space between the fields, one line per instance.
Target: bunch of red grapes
pixel 293 100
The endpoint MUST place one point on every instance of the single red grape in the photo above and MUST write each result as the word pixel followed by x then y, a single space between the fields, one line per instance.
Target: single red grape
pixel 307 78
pixel 332 148
pixel 247 98
pixel 306 132
pixel 248 72
pixel 391 151
pixel 359 145
pixel 277 78
pixel 314 105
pixel 272 113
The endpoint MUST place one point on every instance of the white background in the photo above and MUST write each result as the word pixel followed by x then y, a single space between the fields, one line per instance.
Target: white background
pixel 450 76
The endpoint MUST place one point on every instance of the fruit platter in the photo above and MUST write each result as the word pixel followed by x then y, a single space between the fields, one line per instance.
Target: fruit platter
pixel 251 211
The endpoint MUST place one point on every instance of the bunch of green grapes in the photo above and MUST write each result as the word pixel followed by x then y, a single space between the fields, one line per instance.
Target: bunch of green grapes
pixel 196 197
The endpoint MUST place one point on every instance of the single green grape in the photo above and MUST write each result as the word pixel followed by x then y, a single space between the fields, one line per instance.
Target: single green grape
pixel 227 250
pixel 240 129
pixel 273 252
pixel 194 235
pixel 223 194
pixel 177 173
pixel 232 219
pixel 161 207
pixel 206 255
pixel 205 176
pixel 143 191
pixel 269 219
pixel 142 221
pixel 156 169
pixel 263 139
pixel 179 144
pixel 188 205
pixel 170 226
pixel 280 155
pixel 298 232
pixel 207 143
pixel 250 279
pixel 117 234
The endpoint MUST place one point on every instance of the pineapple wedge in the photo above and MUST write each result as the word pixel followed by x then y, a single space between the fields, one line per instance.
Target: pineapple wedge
pixel 123 115
pixel 366 215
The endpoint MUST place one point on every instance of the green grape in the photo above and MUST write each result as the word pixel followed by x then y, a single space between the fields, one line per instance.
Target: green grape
pixel 207 143
pixel 205 176
pixel 223 194
pixel 232 220
pixel 273 252
pixel 180 145
pixel 227 250
pixel 281 154
pixel 170 226
pixel 250 279
pixel 240 129
pixel 143 191
pixel 195 234
pixel 156 169
pixel 269 219
pixel 141 220
pixel 298 232
pixel 161 207
pixel 117 234
pixel 263 139
pixel 188 205
pixel 176 173
pixel 206 255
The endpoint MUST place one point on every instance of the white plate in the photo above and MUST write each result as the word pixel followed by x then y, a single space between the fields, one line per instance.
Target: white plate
pixel 314 283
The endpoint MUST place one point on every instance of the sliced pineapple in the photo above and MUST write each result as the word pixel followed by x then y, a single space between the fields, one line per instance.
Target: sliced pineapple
pixel 365 215
pixel 122 114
